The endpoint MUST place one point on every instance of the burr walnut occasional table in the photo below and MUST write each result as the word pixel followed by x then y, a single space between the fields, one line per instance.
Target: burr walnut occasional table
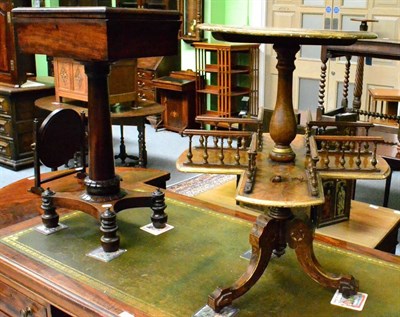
pixel 97 37
pixel 282 181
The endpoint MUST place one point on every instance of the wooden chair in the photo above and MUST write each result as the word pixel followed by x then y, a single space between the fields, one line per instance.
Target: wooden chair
pixel 60 136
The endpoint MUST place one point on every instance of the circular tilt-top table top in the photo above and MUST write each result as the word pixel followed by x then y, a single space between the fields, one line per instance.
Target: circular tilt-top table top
pixel 248 34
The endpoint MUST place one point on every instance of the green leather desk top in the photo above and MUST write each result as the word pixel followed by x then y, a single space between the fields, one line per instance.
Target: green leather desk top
pixel 173 273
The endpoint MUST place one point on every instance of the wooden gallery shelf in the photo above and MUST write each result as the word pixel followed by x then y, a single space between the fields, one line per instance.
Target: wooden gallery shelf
pixel 226 72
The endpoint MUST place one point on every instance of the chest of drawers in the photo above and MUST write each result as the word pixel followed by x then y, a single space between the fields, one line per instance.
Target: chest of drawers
pixel 17 112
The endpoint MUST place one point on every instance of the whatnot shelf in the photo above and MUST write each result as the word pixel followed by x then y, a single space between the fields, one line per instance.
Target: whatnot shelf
pixel 226 72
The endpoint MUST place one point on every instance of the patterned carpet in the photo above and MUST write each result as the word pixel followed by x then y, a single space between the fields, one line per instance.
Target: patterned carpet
pixel 200 184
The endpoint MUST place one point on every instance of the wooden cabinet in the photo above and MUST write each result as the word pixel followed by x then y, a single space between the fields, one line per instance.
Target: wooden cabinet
pixel 149 68
pixel 71 81
pixel 177 95
pixel 14 68
pixel 16 123
pixel 227 73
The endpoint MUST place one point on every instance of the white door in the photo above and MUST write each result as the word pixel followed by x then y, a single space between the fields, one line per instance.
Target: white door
pixel 331 14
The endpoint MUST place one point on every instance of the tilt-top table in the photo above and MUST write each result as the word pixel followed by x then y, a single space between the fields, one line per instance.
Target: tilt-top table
pixel 282 181
pixel 97 37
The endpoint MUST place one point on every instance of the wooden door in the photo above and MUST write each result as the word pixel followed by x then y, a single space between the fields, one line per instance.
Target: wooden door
pixel 331 14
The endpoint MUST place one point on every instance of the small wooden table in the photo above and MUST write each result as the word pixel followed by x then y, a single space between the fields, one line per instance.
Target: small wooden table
pixel 119 116
pixel 383 95
pixel 178 97
pixel 281 179
pixel 97 37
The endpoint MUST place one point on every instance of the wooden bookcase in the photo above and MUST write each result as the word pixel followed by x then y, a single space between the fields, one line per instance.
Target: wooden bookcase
pixel 226 73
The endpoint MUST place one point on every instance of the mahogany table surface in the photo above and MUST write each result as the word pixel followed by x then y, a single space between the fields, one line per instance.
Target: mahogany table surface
pixel 96 33
pixel 118 115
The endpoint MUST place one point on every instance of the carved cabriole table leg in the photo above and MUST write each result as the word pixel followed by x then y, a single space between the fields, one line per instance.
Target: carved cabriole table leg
pixel 300 238
pixel 270 234
pixel 263 236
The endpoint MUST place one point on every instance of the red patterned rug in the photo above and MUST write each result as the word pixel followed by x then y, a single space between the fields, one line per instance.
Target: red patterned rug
pixel 200 184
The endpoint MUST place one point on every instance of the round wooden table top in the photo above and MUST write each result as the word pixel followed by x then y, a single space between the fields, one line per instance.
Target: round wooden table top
pixel 143 109
pixel 247 34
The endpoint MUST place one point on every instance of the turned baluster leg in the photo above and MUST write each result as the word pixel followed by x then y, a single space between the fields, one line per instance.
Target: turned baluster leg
pixel 345 100
pixel 142 144
pixel 283 125
pixel 159 218
pixel 358 82
pixel 50 217
pixel 109 227
pixel 101 180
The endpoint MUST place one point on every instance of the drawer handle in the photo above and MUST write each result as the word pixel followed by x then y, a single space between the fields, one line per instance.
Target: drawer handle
pixel 27 312
pixel 141 84
pixel 2 103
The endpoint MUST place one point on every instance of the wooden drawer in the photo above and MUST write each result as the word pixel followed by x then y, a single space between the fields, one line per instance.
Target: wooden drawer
pixel 144 74
pixel 5 148
pixel 145 84
pixel 5 106
pixel 14 303
pixel 147 94
pixel 5 126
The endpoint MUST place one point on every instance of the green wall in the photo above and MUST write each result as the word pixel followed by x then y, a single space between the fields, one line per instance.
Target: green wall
pixel 41 61
pixel 231 12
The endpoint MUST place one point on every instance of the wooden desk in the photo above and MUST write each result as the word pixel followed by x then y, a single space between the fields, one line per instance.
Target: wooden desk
pixel 162 276
pixel 369 226
pixel 119 116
